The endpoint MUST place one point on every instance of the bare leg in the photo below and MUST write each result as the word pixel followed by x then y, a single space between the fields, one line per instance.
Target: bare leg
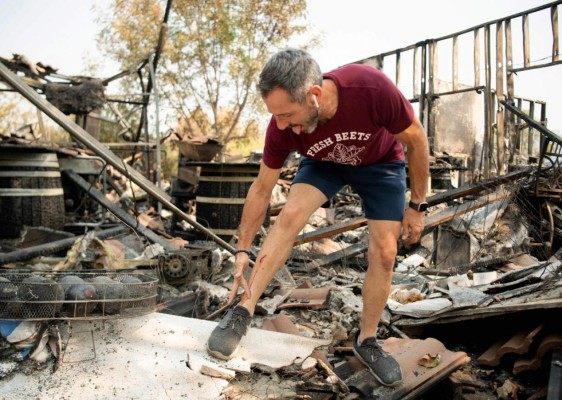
pixel 383 244
pixel 303 200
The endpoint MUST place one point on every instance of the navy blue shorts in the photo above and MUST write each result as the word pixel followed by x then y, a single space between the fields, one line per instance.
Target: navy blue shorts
pixel 381 187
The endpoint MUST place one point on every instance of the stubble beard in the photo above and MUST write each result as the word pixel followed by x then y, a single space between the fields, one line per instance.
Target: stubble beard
pixel 313 120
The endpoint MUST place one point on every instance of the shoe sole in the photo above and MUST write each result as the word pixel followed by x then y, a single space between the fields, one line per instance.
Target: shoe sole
pixel 221 356
pixel 373 373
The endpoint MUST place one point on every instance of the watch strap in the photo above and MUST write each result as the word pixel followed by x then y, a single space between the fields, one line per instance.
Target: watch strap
pixel 248 252
pixel 419 207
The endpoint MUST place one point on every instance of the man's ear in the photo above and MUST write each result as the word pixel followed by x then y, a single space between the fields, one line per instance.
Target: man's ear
pixel 316 93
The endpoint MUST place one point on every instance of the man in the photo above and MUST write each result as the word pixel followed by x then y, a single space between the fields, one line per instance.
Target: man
pixel 349 125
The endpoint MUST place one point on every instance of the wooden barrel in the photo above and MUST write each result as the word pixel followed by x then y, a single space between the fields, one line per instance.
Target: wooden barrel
pixel 220 196
pixel 31 192
pixel 441 180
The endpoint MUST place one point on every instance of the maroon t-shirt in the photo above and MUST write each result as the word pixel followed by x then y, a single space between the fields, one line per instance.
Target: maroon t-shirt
pixel 370 111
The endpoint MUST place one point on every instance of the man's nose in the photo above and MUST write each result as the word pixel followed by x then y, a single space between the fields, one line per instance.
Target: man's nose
pixel 281 124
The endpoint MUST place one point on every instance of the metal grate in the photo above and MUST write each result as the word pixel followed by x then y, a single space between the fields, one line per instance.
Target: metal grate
pixel 75 295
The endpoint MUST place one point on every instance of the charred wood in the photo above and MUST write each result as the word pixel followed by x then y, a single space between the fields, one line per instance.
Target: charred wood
pixel 118 212
pixel 56 246
pixel 76 99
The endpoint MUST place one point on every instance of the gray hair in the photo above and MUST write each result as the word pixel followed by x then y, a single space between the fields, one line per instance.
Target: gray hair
pixel 293 70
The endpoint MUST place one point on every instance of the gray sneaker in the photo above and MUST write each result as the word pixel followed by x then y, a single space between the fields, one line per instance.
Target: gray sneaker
pixel 226 336
pixel 384 368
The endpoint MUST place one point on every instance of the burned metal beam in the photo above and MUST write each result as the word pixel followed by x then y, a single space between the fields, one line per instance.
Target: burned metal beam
pixel 473 188
pixel 126 218
pixel 329 231
pixel 532 123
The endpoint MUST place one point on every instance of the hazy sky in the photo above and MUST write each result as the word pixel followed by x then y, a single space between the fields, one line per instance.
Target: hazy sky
pixel 62 33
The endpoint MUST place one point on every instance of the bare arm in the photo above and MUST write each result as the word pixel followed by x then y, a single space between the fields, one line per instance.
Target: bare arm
pixel 255 206
pixel 415 140
pixel 253 215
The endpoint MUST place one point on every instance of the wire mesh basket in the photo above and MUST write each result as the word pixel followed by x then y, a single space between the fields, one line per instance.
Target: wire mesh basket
pixel 75 295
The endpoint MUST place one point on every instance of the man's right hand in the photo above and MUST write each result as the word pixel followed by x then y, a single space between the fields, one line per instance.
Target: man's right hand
pixel 241 263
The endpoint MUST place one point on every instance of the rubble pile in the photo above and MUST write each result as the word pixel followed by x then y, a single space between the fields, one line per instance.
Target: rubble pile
pixel 477 266
pixel 474 308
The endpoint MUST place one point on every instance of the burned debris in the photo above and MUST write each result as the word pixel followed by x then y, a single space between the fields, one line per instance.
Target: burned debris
pixel 101 264
pixel 79 99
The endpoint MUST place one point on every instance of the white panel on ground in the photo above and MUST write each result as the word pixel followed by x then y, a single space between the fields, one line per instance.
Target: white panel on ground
pixel 145 358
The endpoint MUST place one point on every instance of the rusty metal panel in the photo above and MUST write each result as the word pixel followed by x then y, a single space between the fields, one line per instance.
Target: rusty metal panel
pixel 459 126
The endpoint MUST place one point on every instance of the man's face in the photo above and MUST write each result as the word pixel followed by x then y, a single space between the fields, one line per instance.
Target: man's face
pixel 301 118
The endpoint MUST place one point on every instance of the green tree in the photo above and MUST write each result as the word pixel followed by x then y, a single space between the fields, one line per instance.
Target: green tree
pixel 130 30
pixel 213 53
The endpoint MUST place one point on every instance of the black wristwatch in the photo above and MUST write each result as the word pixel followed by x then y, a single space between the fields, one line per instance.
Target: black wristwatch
pixel 419 207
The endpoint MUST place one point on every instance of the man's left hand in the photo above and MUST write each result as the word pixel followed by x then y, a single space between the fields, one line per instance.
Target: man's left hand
pixel 412 226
